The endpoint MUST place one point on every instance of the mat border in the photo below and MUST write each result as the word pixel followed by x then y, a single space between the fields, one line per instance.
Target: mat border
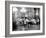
pixel 7 17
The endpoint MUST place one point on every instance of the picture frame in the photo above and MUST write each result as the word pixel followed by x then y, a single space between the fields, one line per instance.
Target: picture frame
pixel 10 8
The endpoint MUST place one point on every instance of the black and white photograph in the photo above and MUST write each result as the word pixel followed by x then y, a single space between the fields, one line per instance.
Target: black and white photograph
pixel 25 18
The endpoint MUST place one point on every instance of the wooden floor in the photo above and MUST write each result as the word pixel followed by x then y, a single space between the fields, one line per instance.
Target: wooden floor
pixel 30 27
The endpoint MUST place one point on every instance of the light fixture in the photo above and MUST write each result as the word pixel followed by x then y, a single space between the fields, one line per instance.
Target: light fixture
pixel 23 10
pixel 15 9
